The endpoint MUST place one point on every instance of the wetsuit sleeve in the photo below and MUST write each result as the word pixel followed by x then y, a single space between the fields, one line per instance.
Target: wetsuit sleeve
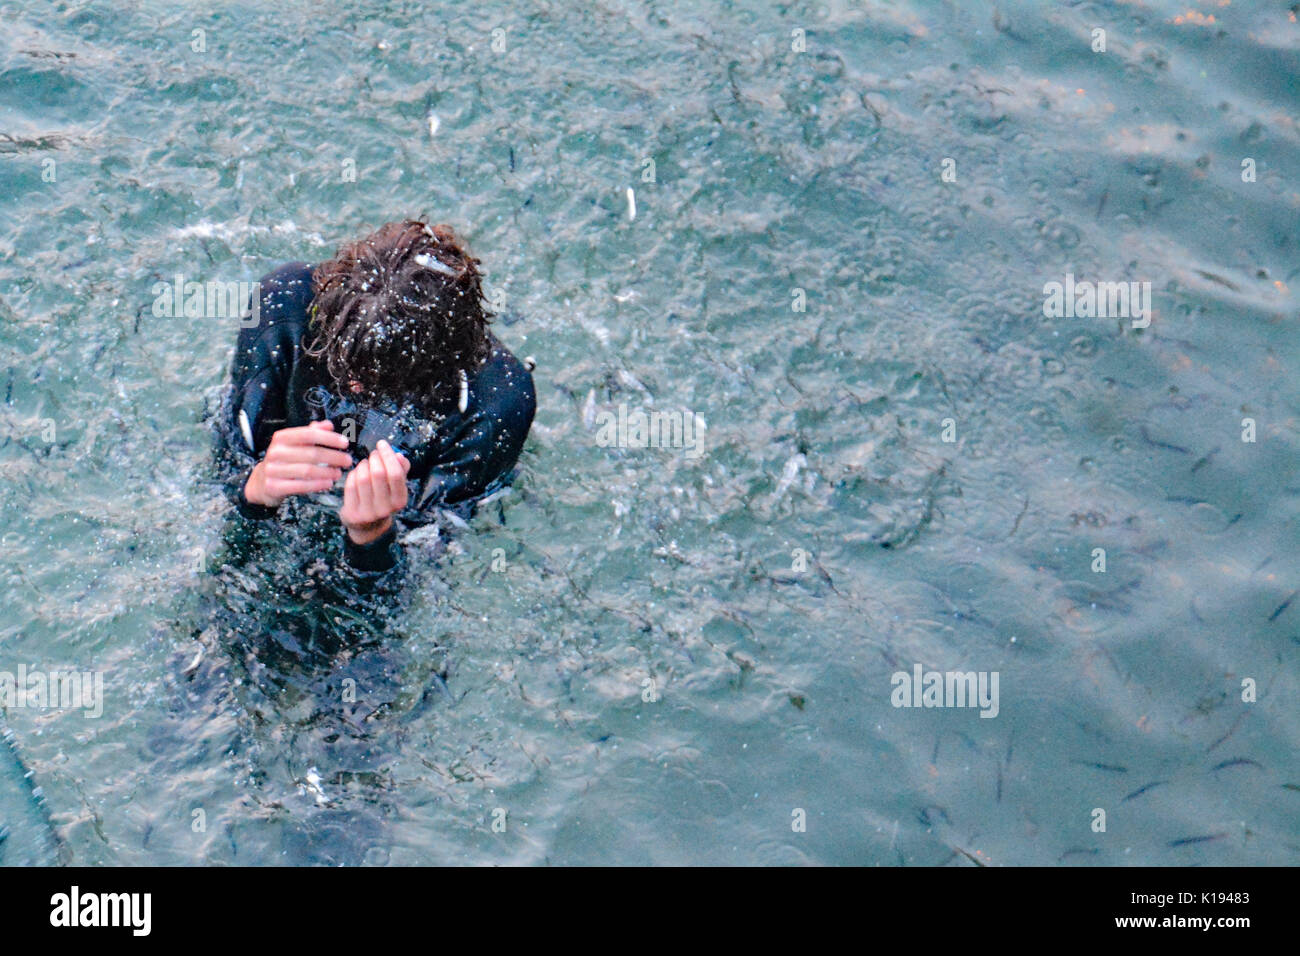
pixel 268 345
pixel 371 572
pixel 485 441
pixel 376 557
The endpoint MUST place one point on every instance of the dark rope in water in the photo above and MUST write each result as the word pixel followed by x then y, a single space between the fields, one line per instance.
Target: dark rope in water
pixel 35 793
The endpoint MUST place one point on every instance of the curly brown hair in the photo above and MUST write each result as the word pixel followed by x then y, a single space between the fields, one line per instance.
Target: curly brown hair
pixel 400 313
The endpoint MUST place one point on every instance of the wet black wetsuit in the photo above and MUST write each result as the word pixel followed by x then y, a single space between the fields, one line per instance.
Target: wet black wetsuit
pixel 457 456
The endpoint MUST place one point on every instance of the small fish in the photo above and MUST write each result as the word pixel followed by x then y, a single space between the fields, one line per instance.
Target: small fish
pixel 589 409
pixel 1219 280
pixel 789 473
pixel 1238 762
pixel 245 429
pixel 1146 437
pixel 1205 460
pixel 436 264
pixel 968 856
pixel 628 380
pixel 453 519
pixel 631 204
pixel 1283 606
pixel 494 496
pixel 1141 790
pixel 1109 767
pixel 1231 730
pixel 193 665
pixel 434 123
pixel 441 685
pixel 1188 841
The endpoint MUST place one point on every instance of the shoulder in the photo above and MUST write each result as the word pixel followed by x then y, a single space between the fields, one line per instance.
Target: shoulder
pixel 289 284
pixel 281 298
pixel 503 386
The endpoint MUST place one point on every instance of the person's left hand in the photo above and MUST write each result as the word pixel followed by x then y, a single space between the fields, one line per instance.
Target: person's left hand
pixel 375 490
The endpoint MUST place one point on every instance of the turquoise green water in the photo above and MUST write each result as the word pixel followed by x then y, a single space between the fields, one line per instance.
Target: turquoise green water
pixel 773 171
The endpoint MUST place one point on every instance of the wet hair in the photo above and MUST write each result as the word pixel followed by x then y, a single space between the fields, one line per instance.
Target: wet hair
pixel 400 313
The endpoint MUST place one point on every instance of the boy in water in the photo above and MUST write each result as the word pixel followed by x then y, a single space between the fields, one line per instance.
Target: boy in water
pixel 377 368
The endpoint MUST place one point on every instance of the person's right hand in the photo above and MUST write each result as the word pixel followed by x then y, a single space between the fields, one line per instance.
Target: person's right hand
pixel 299 461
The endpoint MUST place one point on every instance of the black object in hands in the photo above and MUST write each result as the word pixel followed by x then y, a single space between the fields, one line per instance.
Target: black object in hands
pixel 363 426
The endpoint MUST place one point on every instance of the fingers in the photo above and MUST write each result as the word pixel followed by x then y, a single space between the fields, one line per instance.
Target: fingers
pixel 375 489
pixel 395 469
pixel 317 433
pixel 378 475
pixel 381 482
pixel 350 502
pixel 314 444
pixel 364 497
pixel 397 456
pixel 284 487
pixel 313 471
pixel 309 455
